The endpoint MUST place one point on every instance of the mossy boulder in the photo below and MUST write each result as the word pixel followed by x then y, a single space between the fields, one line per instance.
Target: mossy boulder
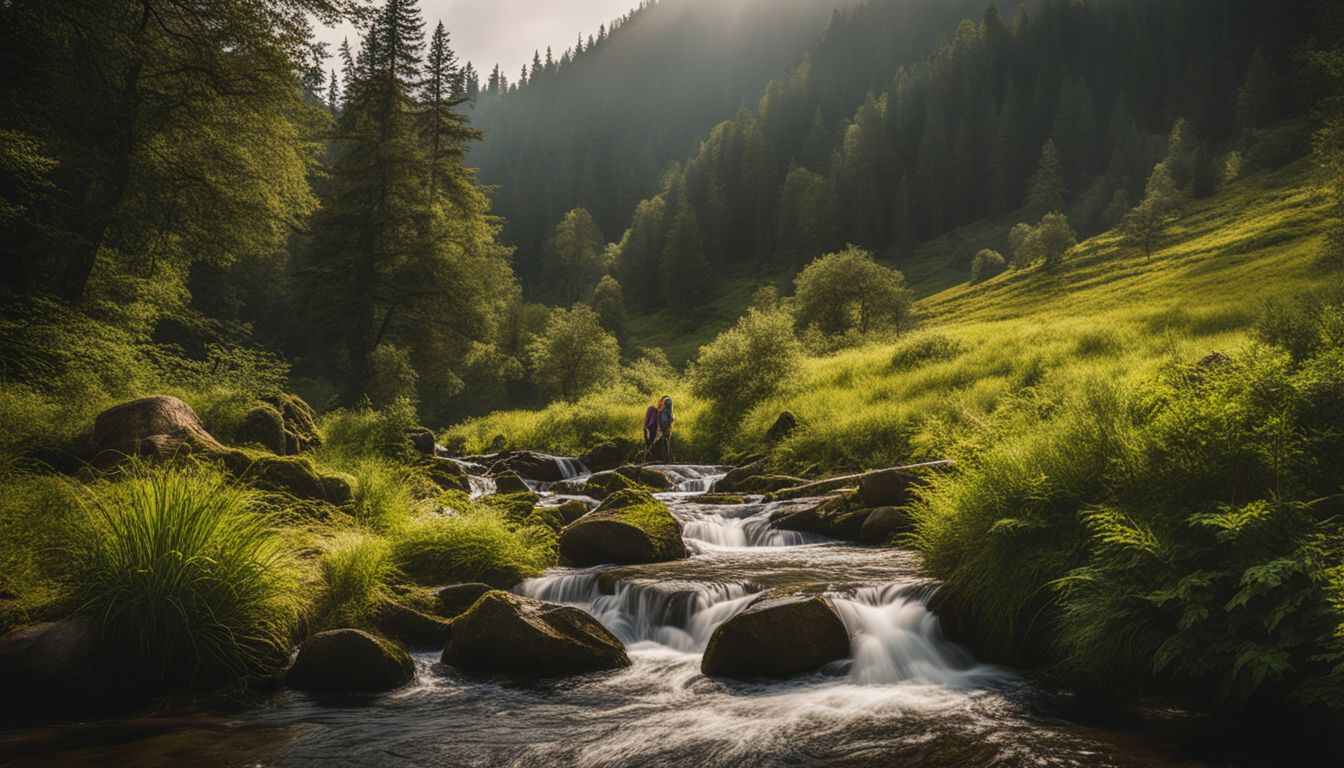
pixel 297 476
pixel 629 527
pixel 628 477
pixel 422 440
pixel 455 599
pixel 447 474
pixel 264 427
pixel 755 477
pixel 895 486
pixel 509 481
pixel 508 634
pixel 840 516
pixel 349 661
pixel 784 426
pixel 777 638
pixel 720 499
pixel 300 422
pixel 514 506
pixel 154 427
pixel 412 627
pixel 610 454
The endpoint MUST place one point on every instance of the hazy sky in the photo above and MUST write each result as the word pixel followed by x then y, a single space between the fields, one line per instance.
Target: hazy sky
pixel 505 32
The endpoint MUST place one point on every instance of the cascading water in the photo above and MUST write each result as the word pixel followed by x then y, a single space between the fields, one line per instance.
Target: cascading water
pixel 905 695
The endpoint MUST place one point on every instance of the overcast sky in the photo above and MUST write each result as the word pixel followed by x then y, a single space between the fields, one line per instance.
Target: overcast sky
pixel 505 32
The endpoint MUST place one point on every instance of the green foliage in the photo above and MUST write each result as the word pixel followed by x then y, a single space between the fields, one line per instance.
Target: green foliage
pixel 384 493
pixel 1047 242
pixel 356 570
pixel 1142 225
pixel 354 433
pixel 847 290
pixel 747 363
pixel 391 376
pixel 1046 192
pixel 37 514
pixel 574 355
pixel 478 544
pixel 180 566
pixel 986 264
pixel 1329 144
pixel 608 301
pixel 574 260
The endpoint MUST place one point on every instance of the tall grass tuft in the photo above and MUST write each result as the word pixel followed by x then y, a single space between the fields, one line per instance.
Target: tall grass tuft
pixel 356 571
pixel 178 566
pixel 478 545
pixel 384 493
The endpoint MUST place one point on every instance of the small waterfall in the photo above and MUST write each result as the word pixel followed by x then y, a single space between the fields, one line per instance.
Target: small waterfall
pixel 481 485
pixel 680 616
pixel 691 478
pixel 571 468
pixel 895 639
pixel 753 531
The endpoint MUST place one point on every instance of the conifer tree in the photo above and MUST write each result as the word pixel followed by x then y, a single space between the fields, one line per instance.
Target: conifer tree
pixel 683 262
pixel 1045 190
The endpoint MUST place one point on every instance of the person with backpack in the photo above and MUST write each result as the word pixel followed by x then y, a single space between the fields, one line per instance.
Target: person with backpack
pixel 658 428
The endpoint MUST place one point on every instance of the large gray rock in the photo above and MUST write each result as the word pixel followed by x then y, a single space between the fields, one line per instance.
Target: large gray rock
pixel 839 516
pixel 777 638
pixel 155 427
pixel 883 523
pixel 894 487
pixel 629 527
pixel 509 634
pixel 539 467
pixel 412 627
pixel 349 660
pixel 53 655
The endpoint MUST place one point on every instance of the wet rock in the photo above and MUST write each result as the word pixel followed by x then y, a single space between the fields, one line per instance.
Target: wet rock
pixel 422 440
pixel 629 527
pixel 893 487
pixel 349 660
pixel 755 477
pixel 51 655
pixel 457 598
pixel 509 634
pixel 539 467
pixel 882 523
pixel 556 518
pixel 784 426
pixel 401 622
pixel 777 638
pixel 515 506
pixel 509 481
pixel 610 454
pixel 839 516
pixel 153 427
pixel 263 426
pixel 603 484
pixel 446 474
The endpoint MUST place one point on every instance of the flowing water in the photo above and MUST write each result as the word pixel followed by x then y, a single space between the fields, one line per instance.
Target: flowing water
pixel 905 696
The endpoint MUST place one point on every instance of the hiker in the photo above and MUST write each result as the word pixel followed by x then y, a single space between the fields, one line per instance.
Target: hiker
pixel 658 427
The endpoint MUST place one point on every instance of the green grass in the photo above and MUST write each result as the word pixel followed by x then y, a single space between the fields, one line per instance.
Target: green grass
pixel 475 545
pixel 357 570
pixel 178 565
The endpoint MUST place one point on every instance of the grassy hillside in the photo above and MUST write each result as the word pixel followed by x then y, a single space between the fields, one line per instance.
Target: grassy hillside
pixel 1106 314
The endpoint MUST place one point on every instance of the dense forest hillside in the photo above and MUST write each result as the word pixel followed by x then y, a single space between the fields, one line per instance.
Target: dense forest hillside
pixel 1066 108
pixel 597 129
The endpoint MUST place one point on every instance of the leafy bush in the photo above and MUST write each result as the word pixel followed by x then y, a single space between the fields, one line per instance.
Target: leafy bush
pixel 986 264
pixel 178 564
pixel 924 349
pixel 392 376
pixel 476 545
pixel 354 433
pixel 574 355
pixel 848 290
pixel 746 363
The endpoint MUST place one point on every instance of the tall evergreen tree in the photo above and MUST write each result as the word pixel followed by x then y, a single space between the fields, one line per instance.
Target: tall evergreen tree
pixel 1045 190
pixel 683 264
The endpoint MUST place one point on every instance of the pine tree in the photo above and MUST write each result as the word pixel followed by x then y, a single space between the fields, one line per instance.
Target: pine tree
pixel 1143 225
pixel 683 263
pixel 445 130
pixel 1045 190
pixel 333 94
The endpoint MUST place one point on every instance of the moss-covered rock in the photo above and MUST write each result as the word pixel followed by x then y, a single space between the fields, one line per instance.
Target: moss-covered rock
pixel 777 638
pixel 300 422
pixel 610 454
pixel 297 476
pixel 509 481
pixel 447 474
pixel 629 527
pixel 455 599
pixel 349 660
pixel 720 499
pixel 509 634
pixel 264 427
pixel 515 506
pixel 402 622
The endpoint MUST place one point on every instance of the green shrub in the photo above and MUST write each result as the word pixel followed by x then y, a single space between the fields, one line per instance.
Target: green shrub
pixel 848 290
pixel 924 349
pixel 746 363
pixel 36 511
pixel 384 493
pixel 354 433
pixel 986 264
pixel 177 564
pixel 473 546
pixel 356 571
